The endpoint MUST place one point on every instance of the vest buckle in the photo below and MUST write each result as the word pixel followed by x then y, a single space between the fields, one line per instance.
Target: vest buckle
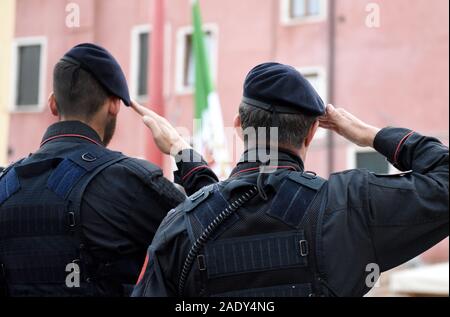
pixel 304 248
pixel 201 263
pixel 71 218
pixel 88 157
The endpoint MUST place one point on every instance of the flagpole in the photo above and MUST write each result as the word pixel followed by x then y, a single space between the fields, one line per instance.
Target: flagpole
pixel 156 88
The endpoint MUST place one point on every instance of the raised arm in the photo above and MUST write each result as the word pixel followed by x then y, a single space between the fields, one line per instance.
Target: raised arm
pixel 193 172
pixel 404 214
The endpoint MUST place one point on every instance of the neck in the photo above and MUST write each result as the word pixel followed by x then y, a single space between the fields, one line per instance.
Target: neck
pixel 299 152
pixel 93 124
pixel 302 153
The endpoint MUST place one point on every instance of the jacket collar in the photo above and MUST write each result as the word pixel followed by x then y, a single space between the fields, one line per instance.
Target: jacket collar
pixel 71 129
pixel 253 159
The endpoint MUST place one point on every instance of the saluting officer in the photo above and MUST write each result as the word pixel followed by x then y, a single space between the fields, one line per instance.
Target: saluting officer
pixel 75 217
pixel 280 231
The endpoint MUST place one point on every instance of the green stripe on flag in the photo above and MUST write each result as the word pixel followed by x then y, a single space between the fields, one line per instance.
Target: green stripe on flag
pixel 203 81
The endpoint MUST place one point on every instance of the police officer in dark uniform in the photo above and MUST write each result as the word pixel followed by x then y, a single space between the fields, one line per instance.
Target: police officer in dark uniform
pixel 273 229
pixel 76 218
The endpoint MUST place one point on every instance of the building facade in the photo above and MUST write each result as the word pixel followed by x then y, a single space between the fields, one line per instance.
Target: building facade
pixel 386 61
pixel 7 16
pixel 389 70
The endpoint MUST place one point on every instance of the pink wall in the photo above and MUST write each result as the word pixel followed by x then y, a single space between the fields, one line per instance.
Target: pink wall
pixel 397 74
pixel 392 75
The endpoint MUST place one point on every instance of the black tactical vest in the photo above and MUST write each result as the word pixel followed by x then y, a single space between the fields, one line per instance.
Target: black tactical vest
pixel 248 246
pixel 41 247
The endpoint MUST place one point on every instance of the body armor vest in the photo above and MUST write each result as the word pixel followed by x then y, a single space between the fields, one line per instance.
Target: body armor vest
pixel 264 247
pixel 41 248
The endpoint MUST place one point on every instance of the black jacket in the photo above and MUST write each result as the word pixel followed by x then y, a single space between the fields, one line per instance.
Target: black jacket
pixel 120 210
pixel 366 219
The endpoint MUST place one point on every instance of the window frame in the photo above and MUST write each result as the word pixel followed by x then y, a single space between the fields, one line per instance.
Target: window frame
pixel 182 33
pixel 17 44
pixel 287 20
pixel 135 50
pixel 322 90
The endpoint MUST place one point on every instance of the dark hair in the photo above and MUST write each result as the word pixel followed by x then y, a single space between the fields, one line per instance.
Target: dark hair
pixel 292 128
pixel 78 94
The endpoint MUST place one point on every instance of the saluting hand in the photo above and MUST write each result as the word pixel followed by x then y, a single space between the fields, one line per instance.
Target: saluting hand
pixel 347 125
pixel 166 137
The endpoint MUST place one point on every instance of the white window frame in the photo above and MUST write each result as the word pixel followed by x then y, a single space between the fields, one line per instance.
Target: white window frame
pixel 134 74
pixel 322 90
pixel 28 41
pixel 182 33
pixel 287 20
pixel 351 157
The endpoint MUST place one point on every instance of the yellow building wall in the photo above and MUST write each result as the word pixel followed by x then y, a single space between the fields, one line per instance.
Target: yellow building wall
pixel 7 18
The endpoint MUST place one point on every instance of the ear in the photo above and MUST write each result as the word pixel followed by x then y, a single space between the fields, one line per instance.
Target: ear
pixel 52 105
pixel 312 131
pixel 238 126
pixel 114 106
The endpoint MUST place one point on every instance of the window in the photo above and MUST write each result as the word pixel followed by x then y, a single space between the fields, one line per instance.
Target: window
pixel 186 59
pixel 369 159
pixel 303 10
pixel 372 161
pixel 189 60
pixel 29 56
pixel 141 37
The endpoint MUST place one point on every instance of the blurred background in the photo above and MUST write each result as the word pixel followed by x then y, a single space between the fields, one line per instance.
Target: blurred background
pixel 386 61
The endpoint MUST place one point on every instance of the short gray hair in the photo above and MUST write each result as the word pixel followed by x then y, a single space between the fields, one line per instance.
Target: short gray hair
pixel 292 128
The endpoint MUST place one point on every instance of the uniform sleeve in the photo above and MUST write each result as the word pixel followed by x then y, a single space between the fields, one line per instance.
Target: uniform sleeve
pixel 165 257
pixel 384 220
pixel 150 207
pixel 193 172
pixel 408 214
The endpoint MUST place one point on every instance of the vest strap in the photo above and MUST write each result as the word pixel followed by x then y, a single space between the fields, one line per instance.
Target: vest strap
pixel 256 253
pixel 9 185
pixel 76 166
pixel 9 182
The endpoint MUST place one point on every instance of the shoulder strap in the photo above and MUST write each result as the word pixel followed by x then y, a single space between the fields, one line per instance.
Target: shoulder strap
pixel 88 166
pixel 8 168
pixel 9 182
pixel 78 165
pixel 299 202
pixel 311 224
pixel 294 194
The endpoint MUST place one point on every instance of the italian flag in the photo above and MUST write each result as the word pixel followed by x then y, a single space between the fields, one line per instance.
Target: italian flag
pixel 209 132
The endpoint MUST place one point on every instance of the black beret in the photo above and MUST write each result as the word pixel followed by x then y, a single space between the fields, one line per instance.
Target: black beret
pixel 103 66
pixel 281 88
